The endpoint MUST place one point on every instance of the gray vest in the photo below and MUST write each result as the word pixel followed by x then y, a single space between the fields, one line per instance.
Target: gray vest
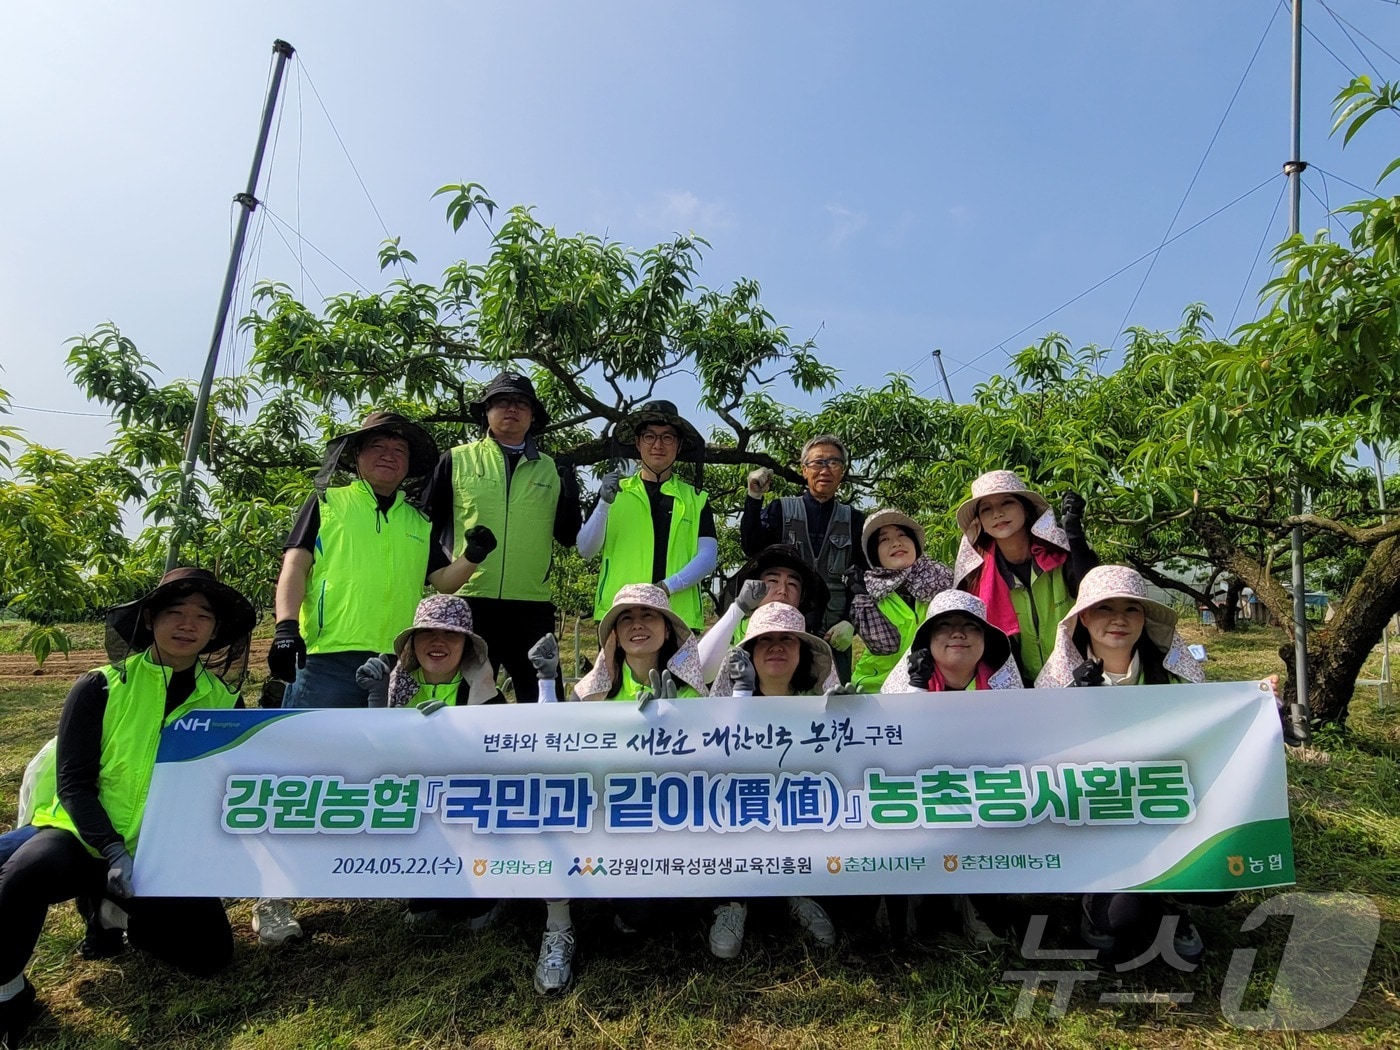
pixel 834 557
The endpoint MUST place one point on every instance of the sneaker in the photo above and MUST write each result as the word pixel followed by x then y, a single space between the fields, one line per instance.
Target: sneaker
pixel 420 917
pixel 555 970
pixel 487 919
pixel 1105 943
pixel 621 925
pixel 1186 940
pixel 975 928
pixel 812 917
pixel 15 1015
pixel 111 915
pixel 273 922
pixel 727 931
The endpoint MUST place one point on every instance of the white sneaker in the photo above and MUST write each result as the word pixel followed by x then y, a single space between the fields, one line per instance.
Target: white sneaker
pixel 555 969
pixel 273 922
pixel 111 916
pixel 812 917
pixel 975 928
pixel 727 932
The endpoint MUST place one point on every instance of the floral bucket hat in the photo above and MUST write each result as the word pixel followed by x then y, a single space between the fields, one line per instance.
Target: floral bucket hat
pixel 996 646
pixel 442 612
pixel 780 618
pixel 1103 584
pixel 684 665
pixel 996 483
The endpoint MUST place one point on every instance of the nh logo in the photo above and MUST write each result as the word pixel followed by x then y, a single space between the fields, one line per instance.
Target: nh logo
pixel 193 723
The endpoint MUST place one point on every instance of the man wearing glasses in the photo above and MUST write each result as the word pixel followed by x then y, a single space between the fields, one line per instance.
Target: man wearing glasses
pixel 504 482
pixel 817 524
pixel 652 526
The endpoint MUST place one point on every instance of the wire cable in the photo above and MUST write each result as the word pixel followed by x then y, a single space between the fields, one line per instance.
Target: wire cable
pixel 1273 16
pixel 279 221
pixel 1363 36
pixel 1000 344
pixel 1257 252
pixel 1350 40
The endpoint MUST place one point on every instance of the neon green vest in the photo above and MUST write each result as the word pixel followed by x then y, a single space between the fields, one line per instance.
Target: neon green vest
pixel 631 687
pixel 628 544
pixel 871 670
pixel 367 576
pixel 524 526
pixel 447 692
pixel 131 728
pixel 1039 612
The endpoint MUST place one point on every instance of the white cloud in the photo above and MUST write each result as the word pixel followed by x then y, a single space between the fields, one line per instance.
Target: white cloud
pixel 845 224
pixel 681 210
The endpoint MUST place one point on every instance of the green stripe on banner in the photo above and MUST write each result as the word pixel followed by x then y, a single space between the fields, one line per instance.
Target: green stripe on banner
pixel 1241 858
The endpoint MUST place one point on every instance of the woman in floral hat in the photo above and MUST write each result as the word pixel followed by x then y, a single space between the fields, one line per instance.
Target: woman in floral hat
pixel 166 653
pixel 1115 635
pixel 955 648
pixel 778 657
pixel 438 662
pixel 1024 566
pixel 889 599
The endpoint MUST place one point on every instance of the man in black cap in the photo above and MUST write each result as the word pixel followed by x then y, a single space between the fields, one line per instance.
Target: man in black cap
pixel 352 575
pixel 652 526
pixel 505 483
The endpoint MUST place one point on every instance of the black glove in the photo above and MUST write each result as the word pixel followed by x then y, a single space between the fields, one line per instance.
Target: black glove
pixel 119 870
pixel 1089 673
pixel 854 579
pixel 1072 514
pixel 920 669
pixel 288 651
pixel 481 541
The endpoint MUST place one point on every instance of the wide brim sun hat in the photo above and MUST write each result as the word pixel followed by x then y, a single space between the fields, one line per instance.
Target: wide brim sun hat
pixel 996 646
pixel 515 384
pixel 641 595
pixel 344 450
pixel 889 516
pixel 235 617
pixel 815 592
pixel 442 612
pixel 689 442
pixel 996 483
pixel 781 618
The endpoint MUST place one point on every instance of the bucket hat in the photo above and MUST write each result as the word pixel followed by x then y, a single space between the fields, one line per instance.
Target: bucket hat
pixel 690 443
pixel 443 612
pixel 517 385
pixel 342 452
pixel 684 665
pixel 815 592
pixel 996 652
pixel 128 632
pixel 889 516
pixel 781 618
pixel 996 483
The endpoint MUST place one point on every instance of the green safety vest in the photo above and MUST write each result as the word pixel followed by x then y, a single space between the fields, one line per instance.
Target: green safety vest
pixel 446 692
pixel 367 576
pixel 631 687
pixel 523 519
pixel 628 544
pixel 131 726
pixel 1039 612
pixel 871 670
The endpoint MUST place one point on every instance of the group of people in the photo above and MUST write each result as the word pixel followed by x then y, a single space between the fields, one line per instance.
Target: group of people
pixel 1025 604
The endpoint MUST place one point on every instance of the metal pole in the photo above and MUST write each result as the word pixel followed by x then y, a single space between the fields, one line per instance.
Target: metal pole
pixel 1385 687
pixel 283 51
pixel 1294 171
pixel 938 360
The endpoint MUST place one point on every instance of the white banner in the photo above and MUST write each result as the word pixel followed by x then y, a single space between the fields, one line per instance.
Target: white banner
pixel 1153 788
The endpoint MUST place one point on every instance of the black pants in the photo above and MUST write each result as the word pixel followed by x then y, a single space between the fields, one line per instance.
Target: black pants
pixel 190 933
pixel 509 629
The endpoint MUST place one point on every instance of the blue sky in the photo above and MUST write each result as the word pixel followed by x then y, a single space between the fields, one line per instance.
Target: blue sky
pixel 898 177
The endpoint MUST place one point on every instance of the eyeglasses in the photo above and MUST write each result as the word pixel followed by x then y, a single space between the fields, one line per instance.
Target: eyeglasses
pixel 518 403
pixel 652 437
pixel 831 463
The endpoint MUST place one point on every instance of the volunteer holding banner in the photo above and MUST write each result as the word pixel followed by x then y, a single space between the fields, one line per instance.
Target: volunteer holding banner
pixel 167 653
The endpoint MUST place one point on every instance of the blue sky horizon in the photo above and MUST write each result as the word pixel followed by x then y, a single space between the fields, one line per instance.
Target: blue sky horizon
pixel 898 179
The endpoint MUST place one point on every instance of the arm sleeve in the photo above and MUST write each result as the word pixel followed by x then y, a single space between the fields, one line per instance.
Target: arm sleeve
pixel 714 643
pixel 79 760
pixel 759 526
pixel 437 499
pixel 307 526
pixel 695 570
pixel 594 531
pixel 568 513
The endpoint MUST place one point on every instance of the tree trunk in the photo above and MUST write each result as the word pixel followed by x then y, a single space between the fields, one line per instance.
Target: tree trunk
pixel 1227 618
pixel 1336 652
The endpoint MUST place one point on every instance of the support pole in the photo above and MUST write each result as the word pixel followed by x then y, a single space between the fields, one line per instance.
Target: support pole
pixel 947 388
pixel 1294 170
pixel 248 200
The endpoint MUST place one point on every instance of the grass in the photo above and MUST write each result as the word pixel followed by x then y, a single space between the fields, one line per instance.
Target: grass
pixel 361 979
